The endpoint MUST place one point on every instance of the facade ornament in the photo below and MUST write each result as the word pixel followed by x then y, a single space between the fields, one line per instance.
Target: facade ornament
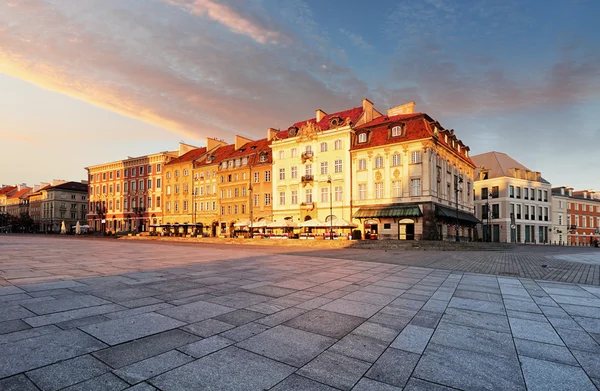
pixel 378 175
pixel 396 173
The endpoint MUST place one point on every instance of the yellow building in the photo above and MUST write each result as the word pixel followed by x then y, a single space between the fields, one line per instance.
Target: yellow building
pixel 312 172
pixel 409 175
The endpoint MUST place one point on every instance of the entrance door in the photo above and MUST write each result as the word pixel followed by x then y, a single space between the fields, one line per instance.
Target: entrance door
pixel 406 229
pixel 527 235
pixel 496 232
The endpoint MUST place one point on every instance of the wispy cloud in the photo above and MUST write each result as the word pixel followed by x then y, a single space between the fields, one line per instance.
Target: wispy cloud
pixel 356 39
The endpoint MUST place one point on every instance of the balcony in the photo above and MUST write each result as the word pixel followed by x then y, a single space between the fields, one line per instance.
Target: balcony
pixel 572 227
pixel 307 179
pixel 307 205
pixel 308 155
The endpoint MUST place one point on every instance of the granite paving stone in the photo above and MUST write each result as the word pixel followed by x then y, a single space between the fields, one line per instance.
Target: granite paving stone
pixel 208 327
pixel 10 326
pixel 80 322
pixel 477 319
pixel 591 325
pixel 143 348
pixel 195 312
pixel 335 370
pixel 579 340
pixel 229 369
pixel 60 317
pixel 366 384
pixel 526 315
pixel 28 354
pixel 354 308
pixel 426 319
pixel 483 341
pixel 243 332
pixel 66 304
pixel 469 370
pixel 589 361
pixel 206 346
pixel 413 339
pixel 534 331
pixel 376 331
pixel 543 375
pixel 360 347
pixel 17 383
pixel 300 383
pixel 544 351
pixel 142 387
pixel 370 297
pixel 576 310
pixel 288 345
pixel 14 312
pixel 415 384
pixel 478 295
pixel 28 333
pixel 239 317
pixel 121 330
pixel 138 310
pixel 106 382
pixel 522 305
pixel 394 367
pixel 281 316
pixel 66 373
pixel 491 307
pixel 154 366
pixel 331 324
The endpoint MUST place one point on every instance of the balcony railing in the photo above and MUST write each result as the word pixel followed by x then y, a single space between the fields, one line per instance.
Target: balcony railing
pixel 308 155
pixel 307 178
pixel 572 227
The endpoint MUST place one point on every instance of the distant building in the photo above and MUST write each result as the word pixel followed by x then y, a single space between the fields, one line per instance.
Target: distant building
pixel 576 216
pixel 5 192
pixel 18 203
pixel 512 201
pixel 63 202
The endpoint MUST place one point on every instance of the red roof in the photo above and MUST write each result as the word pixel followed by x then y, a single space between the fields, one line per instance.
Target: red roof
pixel 20 193
pixel 418 126
pixel 253 149
pixel 324 124
pixel 189 156
pixel 219 154
pixel 7 189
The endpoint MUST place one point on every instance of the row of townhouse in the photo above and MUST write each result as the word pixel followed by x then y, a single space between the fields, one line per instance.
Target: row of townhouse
pixel 49 205
pixel 397 175
pixel 517 205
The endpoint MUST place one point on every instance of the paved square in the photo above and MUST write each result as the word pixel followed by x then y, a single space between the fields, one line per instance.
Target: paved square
pixel 84 314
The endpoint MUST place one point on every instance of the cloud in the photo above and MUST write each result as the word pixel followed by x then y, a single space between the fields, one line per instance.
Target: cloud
pixel 356 39
pixel 230 18
pixel 165 67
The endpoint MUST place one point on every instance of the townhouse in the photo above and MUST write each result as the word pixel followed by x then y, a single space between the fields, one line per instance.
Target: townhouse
pixel 576 217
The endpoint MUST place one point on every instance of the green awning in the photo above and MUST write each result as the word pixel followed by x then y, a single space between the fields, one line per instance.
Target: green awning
pixel 443 211
pixel 398 210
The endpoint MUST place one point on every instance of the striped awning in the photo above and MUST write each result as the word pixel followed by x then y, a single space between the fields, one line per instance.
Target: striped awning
pixel 393 211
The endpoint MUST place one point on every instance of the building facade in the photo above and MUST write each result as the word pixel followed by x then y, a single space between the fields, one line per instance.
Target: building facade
pixel 412 179
pixel 576 215
pixel 513 202
pixel 126 195
pixel 63 202
pixel 312 171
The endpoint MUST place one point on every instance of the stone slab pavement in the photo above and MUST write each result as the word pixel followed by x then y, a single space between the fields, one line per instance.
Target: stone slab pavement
pixel 116 315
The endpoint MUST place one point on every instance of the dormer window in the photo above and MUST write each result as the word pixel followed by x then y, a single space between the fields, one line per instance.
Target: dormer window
pixel 362 138
pixel 398 131
pixel 244 161
pixel 253 147
pixel 292 131
pixel 335 121
pixel 231 163
pixel 263 158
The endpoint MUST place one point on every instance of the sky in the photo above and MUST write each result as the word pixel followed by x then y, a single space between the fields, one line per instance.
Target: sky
pixel 91 81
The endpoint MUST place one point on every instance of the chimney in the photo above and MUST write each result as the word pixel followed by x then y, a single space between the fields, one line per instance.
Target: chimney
pixel 21 186
pixel 271 133
pixel 320 115
pixel 367 107
pixel 240 141
pixel 212 143
pixel 56 182
pixel 185 148
pixel 407 108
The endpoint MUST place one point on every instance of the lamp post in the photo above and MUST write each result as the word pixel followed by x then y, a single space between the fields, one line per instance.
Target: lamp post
pixel 487 212
pixel 330 208
pixel 457 179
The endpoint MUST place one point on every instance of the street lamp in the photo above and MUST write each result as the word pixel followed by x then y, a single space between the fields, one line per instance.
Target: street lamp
pixel 457 179
pixel 330 208
pixel 487 212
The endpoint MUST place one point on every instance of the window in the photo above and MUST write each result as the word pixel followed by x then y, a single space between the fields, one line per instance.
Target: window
pixel 337 144
pixel 149 183
pixel 362 164
pixel 560 219
pixel 379 190
pixel 362 191
pixel 545 195
pixel 294 152
pixel 133 171
pixel 110 175
pixel 323 147
pixel 362 138
pixel 167 205
pixel 495 193
pixel 415 187
pixel 141 170
pixel 185 172
pixel 396 159
pixel 484 212
pixel 281 154
pixel 308 170
pixel 118 204
pixel 495 211
pixel 256 199
pixel 560 204
pixel 243 208
pixel 539 194
pixel 149 202
pixel 511 191
pixel 397 188
pixel 158 167
pixel 244 191
pixel 176 173
pixel 256 177
pixel 324 167
pixel 379 162
pixel 176 189
pixel 415 157
pixel 518 191
pixel 338 193
pixel 263 158
pixel 294 172
pixel 294 197
pixel 168 174
pixel 338 166
pixel 308 195
pixel 396 131
pixel 141 185
pixel 103 189
pixel 236 192
pixel 324 194
pixel 126 187
pixel 103 176
pixel 525 193
pixel 118 174
pixel 149 170
pixel 133 185
pixel 222 210
pixel 268 176
pixel 110 190
pixel 158 183
pixel 168 189
pixel 185 205
pixel 282 198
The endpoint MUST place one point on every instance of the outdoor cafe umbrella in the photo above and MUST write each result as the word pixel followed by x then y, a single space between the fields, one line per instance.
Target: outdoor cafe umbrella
pixel 282 224
pixel 77 228
pixel 243 223
pixel 313 223
pixel 341 223
pixel 63 229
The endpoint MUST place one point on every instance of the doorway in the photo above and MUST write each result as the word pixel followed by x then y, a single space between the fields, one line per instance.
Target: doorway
pixel 406 229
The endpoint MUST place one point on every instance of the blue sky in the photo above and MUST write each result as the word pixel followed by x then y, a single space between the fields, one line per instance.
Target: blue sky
pixel 93 81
